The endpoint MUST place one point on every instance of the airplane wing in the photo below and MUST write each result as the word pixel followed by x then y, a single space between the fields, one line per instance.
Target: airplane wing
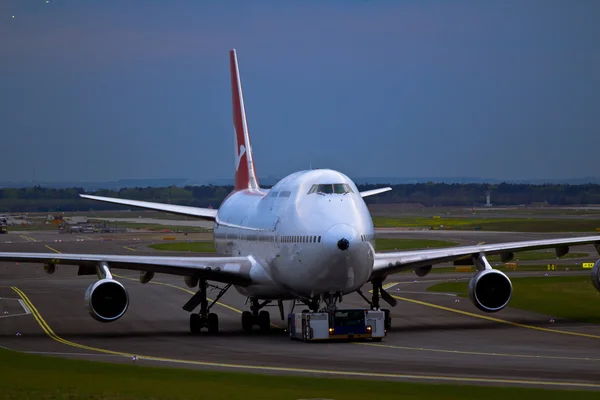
pixel 373 192
pixel 235 270
pixel 203 213
pixel 392 262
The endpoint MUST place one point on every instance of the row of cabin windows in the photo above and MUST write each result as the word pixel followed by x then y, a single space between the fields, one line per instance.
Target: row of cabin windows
pixel 300 239
pixel 285 193
pixel 273 238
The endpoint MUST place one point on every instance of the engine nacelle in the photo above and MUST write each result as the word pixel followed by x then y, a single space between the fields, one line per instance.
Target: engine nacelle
pixel 507 256
pixel 50 268
pixel 107 300
pixel 490 290
pixel 422 271
pixel 146 276
pixel 191 281
pixel 596 275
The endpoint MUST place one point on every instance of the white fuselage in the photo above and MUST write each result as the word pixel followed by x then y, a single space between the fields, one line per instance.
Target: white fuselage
pixel 304 244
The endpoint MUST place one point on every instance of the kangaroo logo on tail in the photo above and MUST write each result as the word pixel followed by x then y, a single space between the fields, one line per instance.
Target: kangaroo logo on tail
pixel 241 152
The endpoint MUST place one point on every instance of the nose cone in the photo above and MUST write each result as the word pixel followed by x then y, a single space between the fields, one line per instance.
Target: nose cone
pixel 345 263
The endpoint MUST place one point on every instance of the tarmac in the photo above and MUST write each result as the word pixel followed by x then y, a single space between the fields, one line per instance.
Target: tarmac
pixel 434 337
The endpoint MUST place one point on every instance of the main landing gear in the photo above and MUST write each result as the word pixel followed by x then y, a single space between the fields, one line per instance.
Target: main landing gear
pixel 378 292
pixel 204 319
pixel 256 317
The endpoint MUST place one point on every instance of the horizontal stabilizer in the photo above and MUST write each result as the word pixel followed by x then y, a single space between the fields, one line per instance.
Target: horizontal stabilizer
pixel 203 213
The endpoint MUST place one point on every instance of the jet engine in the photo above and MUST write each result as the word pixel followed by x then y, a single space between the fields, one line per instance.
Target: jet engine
pixel 50 268
pixel 107 300
pixel 490 290
pixel 191 281
pixel 422 271
pixel 596 275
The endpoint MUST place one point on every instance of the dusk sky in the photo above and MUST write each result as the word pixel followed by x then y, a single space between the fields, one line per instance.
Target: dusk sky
pixel 102 90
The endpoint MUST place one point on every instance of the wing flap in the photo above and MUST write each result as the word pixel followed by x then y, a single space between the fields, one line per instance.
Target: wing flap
pixel 392 262
pixel 203 213
pixel 235 270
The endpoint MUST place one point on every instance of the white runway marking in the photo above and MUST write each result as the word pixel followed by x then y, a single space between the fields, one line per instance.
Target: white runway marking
pixel 58 353
pixel 13 315
pixel 22 303
pixel 429 293
pixel 425 281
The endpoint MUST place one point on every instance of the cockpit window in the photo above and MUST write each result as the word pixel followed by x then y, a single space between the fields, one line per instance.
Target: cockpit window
pixel 341 188
pixel 329 188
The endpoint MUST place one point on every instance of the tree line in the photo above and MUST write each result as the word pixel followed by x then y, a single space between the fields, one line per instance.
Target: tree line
pixel 41 199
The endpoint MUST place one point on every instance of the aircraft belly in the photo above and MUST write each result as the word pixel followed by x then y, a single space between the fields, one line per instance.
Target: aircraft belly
pixel 306 273
pixel 266 292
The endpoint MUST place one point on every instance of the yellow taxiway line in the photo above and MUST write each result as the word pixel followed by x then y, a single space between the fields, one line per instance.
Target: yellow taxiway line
pixel 488 318
pixel 28 238
pixel 129 248
pixel 53 249
pixel 182 289
pixel 466 380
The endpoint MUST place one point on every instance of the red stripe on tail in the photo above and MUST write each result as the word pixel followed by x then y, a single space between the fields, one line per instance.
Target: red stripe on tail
pixel 245 176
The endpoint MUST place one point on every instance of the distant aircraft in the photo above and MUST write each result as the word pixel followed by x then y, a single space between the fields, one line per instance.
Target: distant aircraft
pixel 310 238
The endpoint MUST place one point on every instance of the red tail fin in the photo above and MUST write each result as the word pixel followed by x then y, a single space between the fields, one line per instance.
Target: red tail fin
pixel 245 176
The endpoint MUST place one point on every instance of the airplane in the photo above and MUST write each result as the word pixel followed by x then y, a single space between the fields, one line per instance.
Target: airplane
pixel 310 238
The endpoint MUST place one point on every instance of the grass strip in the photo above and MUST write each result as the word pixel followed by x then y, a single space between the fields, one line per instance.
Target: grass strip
pixel 26 376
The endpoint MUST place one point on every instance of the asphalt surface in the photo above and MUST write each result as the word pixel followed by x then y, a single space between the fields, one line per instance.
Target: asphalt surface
pixel 433 338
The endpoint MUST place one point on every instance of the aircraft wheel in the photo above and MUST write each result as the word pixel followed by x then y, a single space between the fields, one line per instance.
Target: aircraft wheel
pixel 247 321
pixel 195 323
pixel 376 339
pixel 213 323
pixel 264 321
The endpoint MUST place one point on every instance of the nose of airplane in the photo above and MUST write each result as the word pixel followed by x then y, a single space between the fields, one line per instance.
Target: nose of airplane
pixel 346 262
pixel 340 237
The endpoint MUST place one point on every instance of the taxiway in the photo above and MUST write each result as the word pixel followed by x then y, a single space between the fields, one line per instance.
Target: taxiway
pixel 433 338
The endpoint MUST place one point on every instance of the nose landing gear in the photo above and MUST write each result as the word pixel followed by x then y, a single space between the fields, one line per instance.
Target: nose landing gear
pixel 330 300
